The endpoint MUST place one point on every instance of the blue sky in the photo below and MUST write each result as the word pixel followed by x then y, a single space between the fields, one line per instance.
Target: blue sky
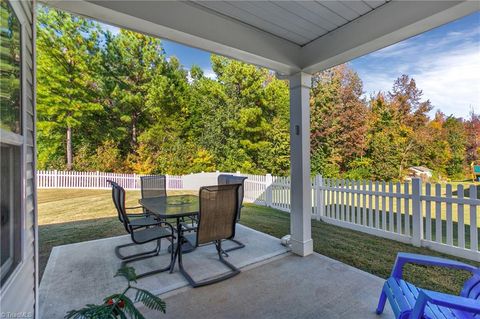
pixel 445 63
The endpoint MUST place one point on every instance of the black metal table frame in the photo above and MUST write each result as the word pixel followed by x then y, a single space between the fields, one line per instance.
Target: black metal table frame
pixel 186 245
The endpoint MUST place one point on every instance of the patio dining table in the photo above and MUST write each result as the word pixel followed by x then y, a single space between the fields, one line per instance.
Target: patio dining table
pixel 174 207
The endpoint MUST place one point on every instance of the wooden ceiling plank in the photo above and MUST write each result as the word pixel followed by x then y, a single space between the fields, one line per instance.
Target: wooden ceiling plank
pixel 248 7
pixel 292 13
pixel 374 3
pixel 271 12
pixel 227 9
pixel 323 12
pixel 359 7
pixel 339 8
pixel 306 14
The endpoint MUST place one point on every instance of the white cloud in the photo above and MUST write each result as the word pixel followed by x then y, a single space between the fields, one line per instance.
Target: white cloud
pixel 209 74
pixel 452 82
pixel 206 72
pixel 114 30
pixel 446 68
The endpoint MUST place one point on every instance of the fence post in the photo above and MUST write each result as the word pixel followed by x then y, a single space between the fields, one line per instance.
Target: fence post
pixel 55 179
pixel 417 218
pixel 97 183
pixel 320 200
pixel 167 182
pixel 268 190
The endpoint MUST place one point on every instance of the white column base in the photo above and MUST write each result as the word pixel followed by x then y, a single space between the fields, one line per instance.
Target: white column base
pixel 302 248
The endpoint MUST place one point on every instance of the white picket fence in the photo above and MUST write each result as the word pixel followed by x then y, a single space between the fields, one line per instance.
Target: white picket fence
pixel 425 215
pixel 96 180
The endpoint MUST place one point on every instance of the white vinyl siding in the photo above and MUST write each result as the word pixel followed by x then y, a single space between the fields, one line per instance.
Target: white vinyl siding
pixel 18 295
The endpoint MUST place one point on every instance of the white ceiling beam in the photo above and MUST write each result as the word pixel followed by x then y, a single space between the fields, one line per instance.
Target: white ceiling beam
pixel 198 27
pixel 386 25
pixel 188 24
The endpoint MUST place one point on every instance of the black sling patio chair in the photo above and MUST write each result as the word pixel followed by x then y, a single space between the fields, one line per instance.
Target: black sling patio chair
pixel 136 220
pixel 226 179
pixel 153 186
pixel 218 207
pixel 142 231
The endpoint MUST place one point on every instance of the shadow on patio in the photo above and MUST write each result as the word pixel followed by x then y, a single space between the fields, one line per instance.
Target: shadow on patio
pixel 273 282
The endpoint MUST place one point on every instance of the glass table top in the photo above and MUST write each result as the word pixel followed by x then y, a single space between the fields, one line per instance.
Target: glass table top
pixel 171 206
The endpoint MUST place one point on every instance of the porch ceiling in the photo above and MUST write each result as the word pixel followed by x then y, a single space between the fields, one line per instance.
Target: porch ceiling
pixel 286 36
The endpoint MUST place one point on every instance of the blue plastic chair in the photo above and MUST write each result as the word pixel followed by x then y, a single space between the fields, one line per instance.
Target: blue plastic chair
pixel 410 302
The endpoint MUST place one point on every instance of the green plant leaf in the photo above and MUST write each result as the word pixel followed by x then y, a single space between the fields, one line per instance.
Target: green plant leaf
pixel 130 308
pixel 92 311
pixel 128 273
pixel 150 300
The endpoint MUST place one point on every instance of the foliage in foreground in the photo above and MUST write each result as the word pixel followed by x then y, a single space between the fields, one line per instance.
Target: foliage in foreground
pixel 119 305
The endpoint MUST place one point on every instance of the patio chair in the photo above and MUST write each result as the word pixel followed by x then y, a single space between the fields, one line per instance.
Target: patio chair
pixel 226 179
pixel 410 302
pixel 142 231
pixel 216 222
pixel 153 186
pixel 136 220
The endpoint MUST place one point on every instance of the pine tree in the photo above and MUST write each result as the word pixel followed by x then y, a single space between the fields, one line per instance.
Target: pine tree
pixel 68 83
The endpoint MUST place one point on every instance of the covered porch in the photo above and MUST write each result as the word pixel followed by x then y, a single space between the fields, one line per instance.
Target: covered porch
pixel 274 283
pixel 295 39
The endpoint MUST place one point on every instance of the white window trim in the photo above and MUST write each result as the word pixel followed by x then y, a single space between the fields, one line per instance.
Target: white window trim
pixel 16 139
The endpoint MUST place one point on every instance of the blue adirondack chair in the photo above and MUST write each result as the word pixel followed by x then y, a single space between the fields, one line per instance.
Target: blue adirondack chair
pixel 410 302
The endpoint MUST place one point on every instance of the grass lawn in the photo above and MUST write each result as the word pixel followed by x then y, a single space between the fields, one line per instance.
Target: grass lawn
pixel 69 216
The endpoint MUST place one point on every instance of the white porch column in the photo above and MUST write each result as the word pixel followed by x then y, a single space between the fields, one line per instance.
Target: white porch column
pixel 301 195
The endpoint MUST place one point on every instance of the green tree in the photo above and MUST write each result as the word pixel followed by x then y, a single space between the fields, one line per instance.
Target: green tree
pixel 68 85
pixel 147 98
pixel 433 148
pixel 130 63
pixel 338 120
pixel 456 138
pixel 383 138
pixel 241 117
pixel 472 131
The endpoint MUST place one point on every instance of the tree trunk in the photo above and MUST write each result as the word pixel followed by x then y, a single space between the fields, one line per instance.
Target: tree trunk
pixel 69 149
pixel 133 141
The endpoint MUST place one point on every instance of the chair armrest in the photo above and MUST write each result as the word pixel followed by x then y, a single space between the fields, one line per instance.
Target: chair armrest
pixel 137 215
pixel 159 223
pixel 445 300
pixel 169 225
pixel 404 258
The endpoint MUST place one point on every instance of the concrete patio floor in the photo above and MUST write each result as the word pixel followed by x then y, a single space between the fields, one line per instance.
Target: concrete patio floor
pixel 273 283
pixel 286 287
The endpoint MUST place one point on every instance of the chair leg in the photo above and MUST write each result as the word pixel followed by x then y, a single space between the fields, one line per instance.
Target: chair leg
pixel 235 271
pixel 239 245
pixel 381 302
pixel 157 252
pixel 125 257
pixel 175 253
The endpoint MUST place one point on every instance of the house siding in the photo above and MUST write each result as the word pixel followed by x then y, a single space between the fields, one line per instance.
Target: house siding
pixel 19 294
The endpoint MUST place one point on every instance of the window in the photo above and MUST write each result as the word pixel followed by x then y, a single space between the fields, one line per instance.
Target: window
pixel 11 141
pixel 10 208
pixel 10 112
